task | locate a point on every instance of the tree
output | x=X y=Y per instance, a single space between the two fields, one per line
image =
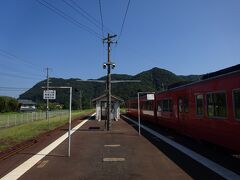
x=8 y=104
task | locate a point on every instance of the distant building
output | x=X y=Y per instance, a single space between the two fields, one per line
x=27 y=105
x=101 y=107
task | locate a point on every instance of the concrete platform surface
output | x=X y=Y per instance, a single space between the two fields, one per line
x=98 y=154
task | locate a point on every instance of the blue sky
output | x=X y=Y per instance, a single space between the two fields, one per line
x=183 y=36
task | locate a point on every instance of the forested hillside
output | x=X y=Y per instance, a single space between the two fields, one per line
x=155 y=79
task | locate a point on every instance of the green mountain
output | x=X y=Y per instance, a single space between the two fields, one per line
x=191 y=77
x=155 y=79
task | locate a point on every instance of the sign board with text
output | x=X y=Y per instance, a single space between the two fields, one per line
x=150 y=97
x=49 y=94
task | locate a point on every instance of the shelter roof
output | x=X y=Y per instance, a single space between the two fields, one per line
x=26 y=102
x=115 y=98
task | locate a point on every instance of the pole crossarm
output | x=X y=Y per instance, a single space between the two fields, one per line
x=126 y=81
x=146 y=92
x=113 y=81
x=58 y=87
x=108 y=39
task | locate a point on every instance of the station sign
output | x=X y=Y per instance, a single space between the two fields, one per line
x=49 y=94
x=150 y=97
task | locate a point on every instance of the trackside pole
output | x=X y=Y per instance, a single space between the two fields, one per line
x=139 y=118
x=70 y=122
x=53 y=96
x=149 y=97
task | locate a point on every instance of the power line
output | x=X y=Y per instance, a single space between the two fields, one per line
x=81 y=13
x=17 y=88
x=11 y=69
x=22 y=72
x=13 y=57
x=89 y=15
x=67 y=17
x=3 y=89
x=100 y=9
x=124 y=19
x=18 y=76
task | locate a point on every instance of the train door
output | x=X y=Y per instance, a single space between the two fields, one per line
x=180 y=113
x=183 y=113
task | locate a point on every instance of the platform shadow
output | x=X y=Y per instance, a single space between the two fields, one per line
x=183 y=161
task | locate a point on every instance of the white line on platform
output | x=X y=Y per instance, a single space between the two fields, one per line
x=24 y=167
x=113 y=159
x=112 y=145
x=220 y=170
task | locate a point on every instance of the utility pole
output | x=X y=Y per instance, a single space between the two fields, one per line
x=109 y=65
x=47 y=115
x=80 y=103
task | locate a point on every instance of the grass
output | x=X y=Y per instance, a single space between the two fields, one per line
x=123 y=110
x=7 y=113
x=17 y=134
x=26 y=117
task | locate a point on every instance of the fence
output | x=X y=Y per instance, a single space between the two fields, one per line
x=15 y=119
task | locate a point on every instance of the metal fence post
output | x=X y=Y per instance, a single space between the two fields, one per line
x=8 y=121
x=15 y=121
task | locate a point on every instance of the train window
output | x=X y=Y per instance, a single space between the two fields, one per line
x=144 y=106
x=134 y=106
x=160 y=106
x=170 y=105
x=180 y=105
x=199 y=105
x=185 y=104
x=165 y=105
x=148 y=105
x=216 y=105
x=236 y=96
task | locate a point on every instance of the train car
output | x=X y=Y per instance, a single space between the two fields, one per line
x=208 y=109
x=147 y=108
x=132 y=107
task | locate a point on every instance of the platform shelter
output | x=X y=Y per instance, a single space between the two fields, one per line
x=101 y=107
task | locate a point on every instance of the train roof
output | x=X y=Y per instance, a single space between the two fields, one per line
x=205 y=77
x=221 y=72
x=178 y=84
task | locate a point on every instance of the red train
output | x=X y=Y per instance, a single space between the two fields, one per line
x=208 y=109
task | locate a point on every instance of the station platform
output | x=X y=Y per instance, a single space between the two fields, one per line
x=98 y=154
